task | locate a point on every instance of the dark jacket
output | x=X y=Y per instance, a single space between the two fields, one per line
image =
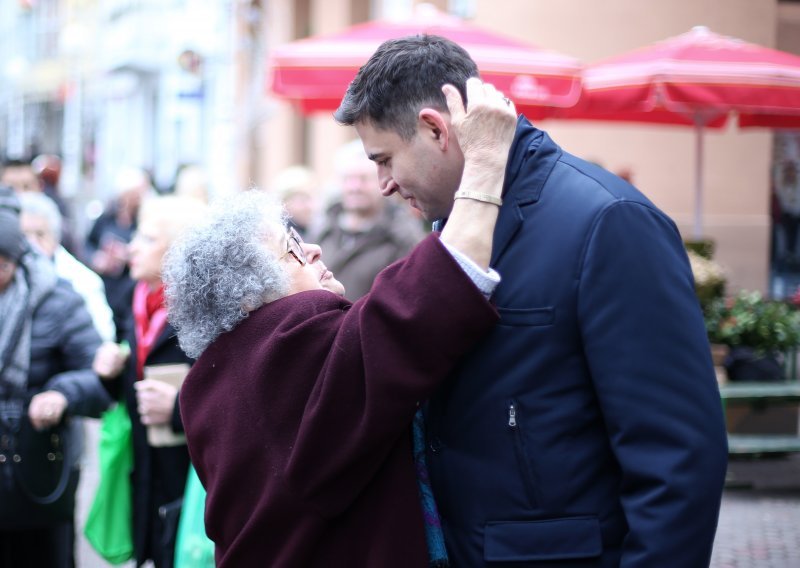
x=63 y=344
x=62 y=348
x=298 y=419
x=587 y=429
x=159 y=474
x=356 y=258
x=119 y=286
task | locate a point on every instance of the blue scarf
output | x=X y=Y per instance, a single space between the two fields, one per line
x=433 y=527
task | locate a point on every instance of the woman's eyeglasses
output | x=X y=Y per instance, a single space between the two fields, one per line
x=294 y=246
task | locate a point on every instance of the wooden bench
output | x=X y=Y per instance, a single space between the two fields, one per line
x=760 y=395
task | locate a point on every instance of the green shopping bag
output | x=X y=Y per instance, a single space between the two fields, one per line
x=109 y=526
x=193 y=549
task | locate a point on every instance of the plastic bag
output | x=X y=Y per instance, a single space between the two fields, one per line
x=109 y=526
x=193 y=548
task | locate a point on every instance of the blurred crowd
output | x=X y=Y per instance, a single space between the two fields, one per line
x=82 y=319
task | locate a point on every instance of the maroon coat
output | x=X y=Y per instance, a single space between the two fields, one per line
x=298 y=419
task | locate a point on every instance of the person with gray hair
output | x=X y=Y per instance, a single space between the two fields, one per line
x=131 y=371
x=363 y=233
x=47 y=342
x=299 y=407
x=41 y=221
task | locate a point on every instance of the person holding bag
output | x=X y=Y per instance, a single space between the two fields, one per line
x=47 y=343
x=160 y=457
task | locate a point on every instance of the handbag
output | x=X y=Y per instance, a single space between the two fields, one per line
x=193 y=548
x=109 y=525
x=38 y=477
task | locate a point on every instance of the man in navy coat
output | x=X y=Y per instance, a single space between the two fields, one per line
x=587 y=429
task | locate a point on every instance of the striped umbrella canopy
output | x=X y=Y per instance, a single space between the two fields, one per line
x=698 y=79
x=314 y=72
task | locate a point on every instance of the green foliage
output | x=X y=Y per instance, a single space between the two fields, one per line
x=702 y=247
x=748 y=319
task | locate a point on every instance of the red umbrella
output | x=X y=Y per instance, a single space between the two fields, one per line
x=698 y=78
x=314 y=72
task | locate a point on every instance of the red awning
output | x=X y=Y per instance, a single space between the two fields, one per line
x=314 y=72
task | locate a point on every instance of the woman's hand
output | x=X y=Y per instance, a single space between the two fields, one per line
x=485 y=131
x=47 y=409
x=110 y=359
x=155 y=401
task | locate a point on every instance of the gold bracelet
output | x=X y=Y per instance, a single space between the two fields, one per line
x=477 y=196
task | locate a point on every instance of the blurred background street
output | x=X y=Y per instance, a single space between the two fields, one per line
x=104 y=103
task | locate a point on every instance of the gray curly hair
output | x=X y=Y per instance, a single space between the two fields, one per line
x=221 y=270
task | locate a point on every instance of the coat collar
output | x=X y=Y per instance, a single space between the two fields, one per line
x=523 y=183
x=528 y=141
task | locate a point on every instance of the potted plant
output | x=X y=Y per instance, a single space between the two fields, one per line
x=759 y=332
x=709 y=278
x=709 y=284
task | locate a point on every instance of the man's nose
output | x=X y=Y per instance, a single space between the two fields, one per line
x=313 y=252
x=387 y=185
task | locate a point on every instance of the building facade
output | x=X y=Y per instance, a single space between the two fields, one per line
x=160 y=83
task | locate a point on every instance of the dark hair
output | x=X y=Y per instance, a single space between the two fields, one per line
x=403 y=76
x=15 y=163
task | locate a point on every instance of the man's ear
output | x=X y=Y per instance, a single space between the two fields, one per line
x=435 y=126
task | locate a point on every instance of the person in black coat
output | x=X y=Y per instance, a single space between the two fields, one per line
x=160 y=467
x=47 y=343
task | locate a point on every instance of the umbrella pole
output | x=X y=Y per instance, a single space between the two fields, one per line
x=698 y=178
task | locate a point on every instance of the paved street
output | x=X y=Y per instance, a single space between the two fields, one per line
x=759 y=524
x=758 y=529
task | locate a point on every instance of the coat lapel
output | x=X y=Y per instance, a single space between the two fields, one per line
x=522 y=188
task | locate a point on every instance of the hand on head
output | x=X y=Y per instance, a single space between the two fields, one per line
x=485 y=129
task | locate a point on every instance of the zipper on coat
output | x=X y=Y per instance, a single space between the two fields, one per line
x=524 y=466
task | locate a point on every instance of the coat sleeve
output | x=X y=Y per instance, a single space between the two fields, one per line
x=393 y=348
x=649 y=357
x=78 y=342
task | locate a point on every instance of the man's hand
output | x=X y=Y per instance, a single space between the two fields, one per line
x=485 y=131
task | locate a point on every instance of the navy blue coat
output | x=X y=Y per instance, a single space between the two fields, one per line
x=587 y=429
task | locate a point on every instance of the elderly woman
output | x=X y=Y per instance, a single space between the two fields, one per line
x=161 y=463
x=47 y=342
x=298 y=411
